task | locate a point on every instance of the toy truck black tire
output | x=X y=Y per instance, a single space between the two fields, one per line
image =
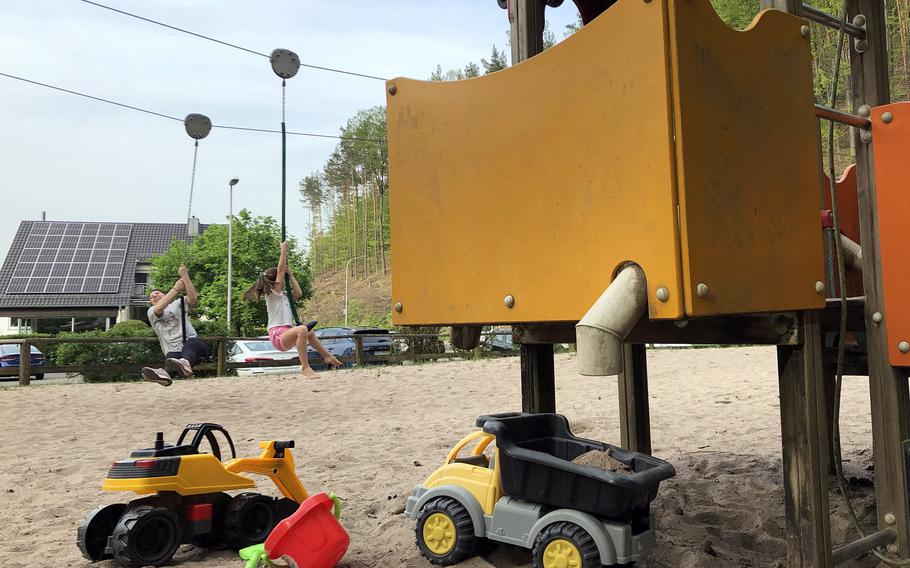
x=584 y=547
x=465 y=542
x=145 y=536
x=249 y=519
x=92 y=535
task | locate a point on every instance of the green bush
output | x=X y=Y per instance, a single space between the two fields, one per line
x=89 y=355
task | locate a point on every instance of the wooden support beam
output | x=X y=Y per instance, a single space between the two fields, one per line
x=538 y=392
x=527 y=22
x=634 y=412
x=538 y=381
x=805 y=448
x=889 y=397
x=763 y=329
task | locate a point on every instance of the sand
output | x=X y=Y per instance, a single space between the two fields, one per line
x=371 y=434
x=603 y=460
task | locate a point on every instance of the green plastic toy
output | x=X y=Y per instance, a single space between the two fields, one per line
x=256 y=555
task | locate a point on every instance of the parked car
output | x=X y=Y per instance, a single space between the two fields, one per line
x=9 y=357
x=249 y=350
x=501 y=341
x=376 y=341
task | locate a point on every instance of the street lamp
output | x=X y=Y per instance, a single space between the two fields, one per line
x=231 y=185
x=346 y=271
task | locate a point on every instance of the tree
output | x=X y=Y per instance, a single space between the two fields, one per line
x=255 y=241
x=498 y=61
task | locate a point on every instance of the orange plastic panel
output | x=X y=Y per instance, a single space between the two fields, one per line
x=848 y=208
x=537 y=181
x=891 y=149
x=746 y=150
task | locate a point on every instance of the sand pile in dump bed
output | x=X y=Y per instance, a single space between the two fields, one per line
x=603 y=460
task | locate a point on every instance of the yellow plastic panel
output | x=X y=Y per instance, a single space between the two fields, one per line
x=538 y=180
x=748 y=173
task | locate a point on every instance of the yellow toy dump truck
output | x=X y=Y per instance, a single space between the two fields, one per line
x=186 y=500
x=528 y=492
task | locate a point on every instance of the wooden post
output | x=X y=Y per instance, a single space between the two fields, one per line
x=888 y=390
x=221 y=357
x=634 y=413
x=538 y=388
x=358 y=350
x=538 y=383
x=526 y=18
x=805 y=448
x=25 y=363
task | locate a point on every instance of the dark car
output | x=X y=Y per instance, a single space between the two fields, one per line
x=500 y=340
x=376 y=341
x=337 y=346
x=9 y=357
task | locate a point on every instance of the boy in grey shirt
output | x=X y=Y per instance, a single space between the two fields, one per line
x=169 y=317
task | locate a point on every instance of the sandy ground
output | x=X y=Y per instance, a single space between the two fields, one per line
x=370 y=435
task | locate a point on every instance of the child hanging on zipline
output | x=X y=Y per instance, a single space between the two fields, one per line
x=282 y=332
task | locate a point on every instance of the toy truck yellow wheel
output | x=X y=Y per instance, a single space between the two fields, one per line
x=445 y=532
x=565 y=545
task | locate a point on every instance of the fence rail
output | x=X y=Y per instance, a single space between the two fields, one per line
x=222 y=364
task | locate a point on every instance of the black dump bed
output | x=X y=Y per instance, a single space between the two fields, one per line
x=535 y=462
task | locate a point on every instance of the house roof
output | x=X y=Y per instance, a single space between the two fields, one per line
x=146 y=240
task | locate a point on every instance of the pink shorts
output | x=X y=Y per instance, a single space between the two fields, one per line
x=275 y=334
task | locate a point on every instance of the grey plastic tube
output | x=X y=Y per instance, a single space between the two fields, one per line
x=600 y=332
x=853 y=253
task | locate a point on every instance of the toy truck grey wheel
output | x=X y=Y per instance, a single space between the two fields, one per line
x=445 y=532
x=564 y=545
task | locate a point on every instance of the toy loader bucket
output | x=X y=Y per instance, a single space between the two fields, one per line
x=310 y=538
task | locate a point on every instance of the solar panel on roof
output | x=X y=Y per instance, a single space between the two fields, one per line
x=71 y=258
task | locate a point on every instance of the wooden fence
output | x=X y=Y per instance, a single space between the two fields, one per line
x=221 y=362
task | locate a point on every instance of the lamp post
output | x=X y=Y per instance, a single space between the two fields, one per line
x=230 y=290
x=346 y=271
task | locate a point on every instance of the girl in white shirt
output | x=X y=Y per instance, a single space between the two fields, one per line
x=282 y=332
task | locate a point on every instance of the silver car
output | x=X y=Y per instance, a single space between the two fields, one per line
x=250 y=350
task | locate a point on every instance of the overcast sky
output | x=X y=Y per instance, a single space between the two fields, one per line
x=82 y=160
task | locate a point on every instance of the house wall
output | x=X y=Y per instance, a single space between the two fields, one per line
x=14 y=326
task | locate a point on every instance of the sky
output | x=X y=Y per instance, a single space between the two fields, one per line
x=82 y=160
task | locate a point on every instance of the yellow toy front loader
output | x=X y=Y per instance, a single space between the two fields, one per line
x=185 y=500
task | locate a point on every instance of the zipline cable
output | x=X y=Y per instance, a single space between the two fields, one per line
x=235 y=46
x=169 y=117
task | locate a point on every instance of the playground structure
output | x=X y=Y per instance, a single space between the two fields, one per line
x=656 y=178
